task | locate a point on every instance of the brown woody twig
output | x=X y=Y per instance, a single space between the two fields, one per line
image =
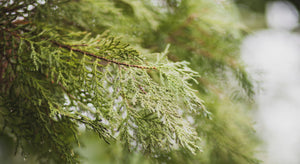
x=100 y=57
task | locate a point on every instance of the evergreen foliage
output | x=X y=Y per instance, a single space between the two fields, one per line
x=93 y=64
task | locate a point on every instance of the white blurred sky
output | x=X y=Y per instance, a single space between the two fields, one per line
x=273 y=58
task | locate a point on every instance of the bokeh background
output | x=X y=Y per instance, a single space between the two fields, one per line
x=272 y=53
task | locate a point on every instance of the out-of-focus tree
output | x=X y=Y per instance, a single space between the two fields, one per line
x=94 y=64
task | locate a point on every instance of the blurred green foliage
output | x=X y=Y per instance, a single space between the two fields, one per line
x=260 y=5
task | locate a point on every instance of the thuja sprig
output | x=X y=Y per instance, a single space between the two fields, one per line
x=100 y=57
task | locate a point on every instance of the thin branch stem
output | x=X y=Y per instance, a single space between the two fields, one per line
x=100 y=57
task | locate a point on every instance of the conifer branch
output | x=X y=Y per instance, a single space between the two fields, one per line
x=100 y=57
x=56 y=74
x=70 y=47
